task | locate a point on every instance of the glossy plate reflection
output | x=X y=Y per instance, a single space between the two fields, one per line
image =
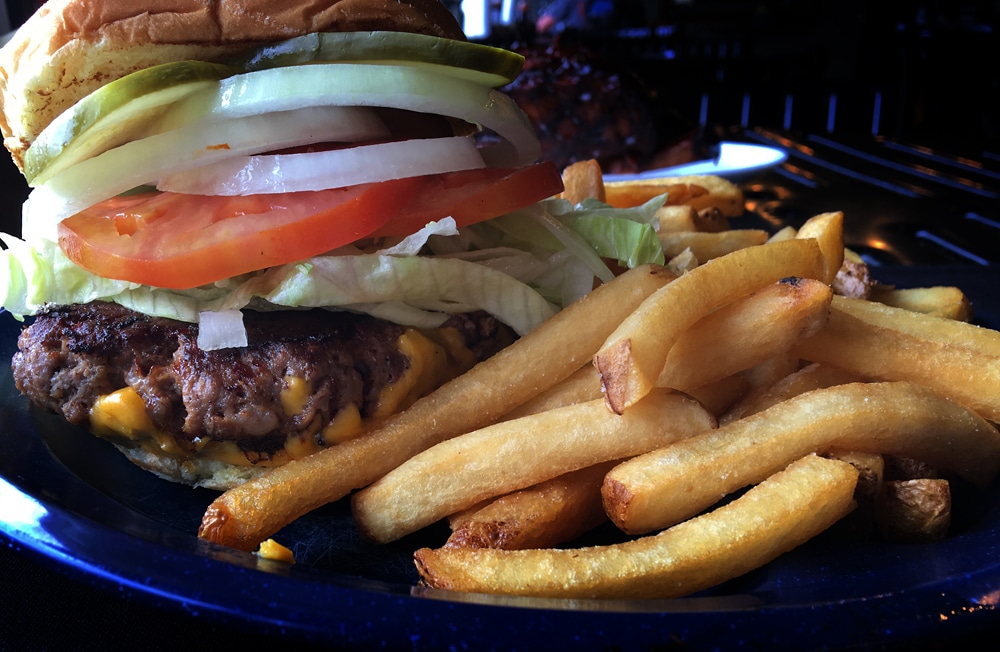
x=74 y=500
x=736 y=162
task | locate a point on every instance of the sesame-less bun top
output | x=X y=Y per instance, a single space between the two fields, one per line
x=69 y=48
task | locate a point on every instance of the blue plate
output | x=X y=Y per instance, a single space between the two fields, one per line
x=737 y=162
x=73 y=499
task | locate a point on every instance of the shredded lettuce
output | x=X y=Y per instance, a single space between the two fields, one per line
x=414 y=290
x=521 y=268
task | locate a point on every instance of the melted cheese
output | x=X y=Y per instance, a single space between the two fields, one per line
x=295 y=395
x=122 y=414
x=346 y=424
x=434 y=358
x=429 y=367
x=271 y=549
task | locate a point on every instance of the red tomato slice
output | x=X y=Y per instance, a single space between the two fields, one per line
x=183 y=241
x=477 y=195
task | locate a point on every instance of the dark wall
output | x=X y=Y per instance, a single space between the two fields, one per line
x=928 y=68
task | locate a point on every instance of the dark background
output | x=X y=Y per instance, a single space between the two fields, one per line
x=932 y=65
x=927 y=70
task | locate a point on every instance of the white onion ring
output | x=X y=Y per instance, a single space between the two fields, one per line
x=277 y=173
x=360 y=84
x=147 y=160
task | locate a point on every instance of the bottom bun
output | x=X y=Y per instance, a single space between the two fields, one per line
x=207 y=473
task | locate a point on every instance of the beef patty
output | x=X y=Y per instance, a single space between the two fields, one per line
x=70 y=357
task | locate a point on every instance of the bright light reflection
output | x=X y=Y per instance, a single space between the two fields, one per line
x=474 y=14
x=19 y=513
x=990 y=599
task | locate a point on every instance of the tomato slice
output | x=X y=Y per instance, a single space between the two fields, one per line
x=183 y=241
x=476 y=195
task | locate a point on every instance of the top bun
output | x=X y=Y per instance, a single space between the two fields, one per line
x=69 y=48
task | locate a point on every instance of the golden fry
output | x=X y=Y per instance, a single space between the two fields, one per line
x=711 y=220
x=938 y=301
x=246 y=515
x=632 y=358
x=914 y=511
x=871 y=473
x=677 y=218
x=769 y=371
x=717 y=397
x=543 y=516
x=879 y=342
x=706 y=246
x=786 y=233
x=666 y=486
x=746 y=332
x=854 y=278
x=584 y=385
x=699 y=192
x=777 y=515
x=510 y=455
x=806 y=379
x=583 y=180
x=828 y=230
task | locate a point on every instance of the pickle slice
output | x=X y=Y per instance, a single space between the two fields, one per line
x=120 y=111
x=483 y=64
x=141 y=104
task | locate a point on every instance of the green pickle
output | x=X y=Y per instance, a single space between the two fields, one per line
x=488 y=65
x=120 y=111
x=143 y=103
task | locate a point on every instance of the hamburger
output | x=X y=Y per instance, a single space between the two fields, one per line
x=254 y=229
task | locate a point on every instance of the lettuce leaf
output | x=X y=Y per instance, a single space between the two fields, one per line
x=521 y=268
x=413 y=290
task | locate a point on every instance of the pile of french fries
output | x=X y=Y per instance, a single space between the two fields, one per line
x=719 y=410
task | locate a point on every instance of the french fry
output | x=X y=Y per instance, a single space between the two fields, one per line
x=806 y=379
x=878 y=342
x=907 y=468
x=854 y=278
x=785 y=233
x=706 y=246
x=677 y=218
x=632 y=358
x=871 y=476
x=760 y=379
x=583 y=180
x=717 y=397
x=777 y=515
x=745 y=333
x=828 y=230
x=666 y=486
x=460 y=472
x=543 y=516
x=871 y=473
x=914 y=511
x=244 y=516
x=699 y=192
x=772 y=369
x=584 y=385
x=938 y=301
x=711 y=220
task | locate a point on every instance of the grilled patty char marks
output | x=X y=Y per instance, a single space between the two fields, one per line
x=71 y=356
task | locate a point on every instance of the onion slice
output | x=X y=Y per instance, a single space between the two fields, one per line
x=145 y=161
x=360 y=84
x=338 y=168
x=222 y=329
